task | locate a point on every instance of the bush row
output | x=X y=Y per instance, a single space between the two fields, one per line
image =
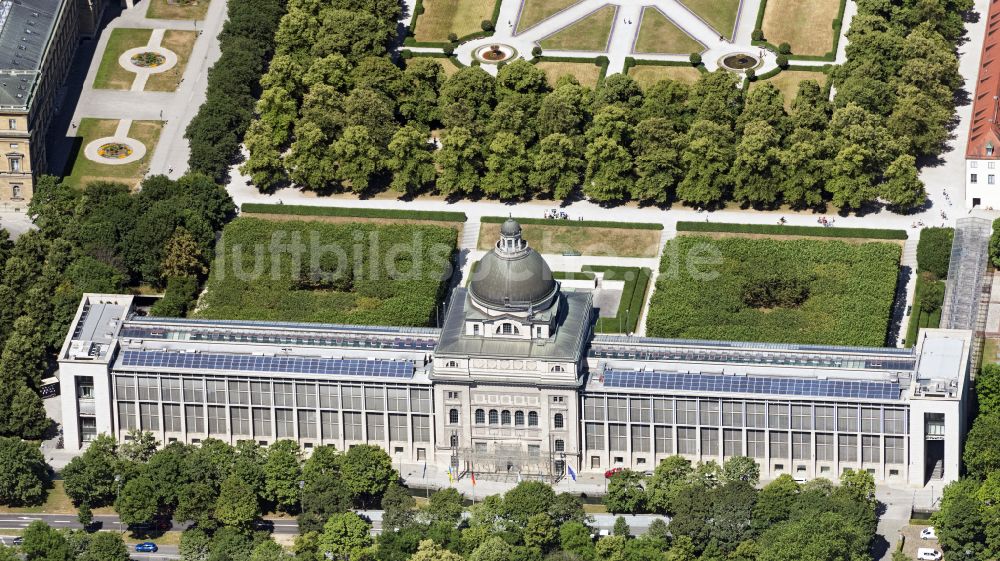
x=580 y=223
x=304 y=210
x=775 y=229
x=934 y=251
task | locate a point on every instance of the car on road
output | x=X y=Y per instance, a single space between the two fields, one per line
x=928 y=554
x=928 y=533
x=611 y=472
x=146 y=547
x=16 y=540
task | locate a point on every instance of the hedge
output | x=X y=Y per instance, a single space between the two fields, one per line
x=178 y=299
x=778 y=230
x=304 y=210
x=934 y=251
x=580 y=223
x=632 y=299
x=918 y=317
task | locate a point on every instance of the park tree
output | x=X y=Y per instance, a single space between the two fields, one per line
x=211 y=462
x=765 y=103
x=105 y=546
x=359 y=160
x=706 y=159
x=459 y=161
x=42 y=543
x=860 y=484
x=657 y=161
x=467 y=98
x=618 y=89
x=269 y=550
x=324 y=494
x=958 y=523
x=521 y=77
x=741 y=468
x=540 y=532
x=430 y=551
x=137 y=502
x=410 y=161
x=367 y=471
x=311 y=162
x=574 y=537
x=851 y=184
x=716 y=98
x=921 y=120
x=613 y=122
x=732 y=513
x=237 y=505
x=397 y=507
x=24 y=474
x=422 y=79
x=444 y=506
x=90 y=477
x=182 y=256
x=692 y=509
x=527 y=499
x=625 y=493
x=810 y=108
x=493 y=548
x=196 y=503
x=775 y=501
x=982 y=449
x=557 y=167
x=345 y=537
x=139 y=447
x=825 y=537
x=372 y=110
x=282 y=475
x=563 y=111
x=804 y=172
x=507 y=167
x=902 y=187
x=756 y=170
x=988 y=389
x=670 y=475
x=609 y=171
x=567 y=507
x=667 y=99
x=268 y=136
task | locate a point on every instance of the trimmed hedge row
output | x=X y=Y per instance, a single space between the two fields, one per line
x=775 y=229
x=934 y=251
x=303 y=210
x=633 y=296
x=580 y=223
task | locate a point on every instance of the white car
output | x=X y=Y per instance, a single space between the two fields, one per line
x=928 y=533
x=930 y=554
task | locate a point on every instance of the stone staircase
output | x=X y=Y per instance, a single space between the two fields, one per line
x=470 y=235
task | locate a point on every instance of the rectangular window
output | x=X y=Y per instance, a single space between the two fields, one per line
x=895 y=421
x=802 y=417
x=755 y=444
x=755 y=415
x=260 y=393
x=894 y=452
x=283 y=394
x=420 y=401
x=594 y=436
x=593 y=408
x=640 y=410
x=779 y=444
x=663 y=411
x=824 y=418
x=396 y=399
x=239 y=419
x=617 y=409
x=732 y=413
x=216 y=420
x=710 y=413
x=307 y=423
x=194 y=417
x=261 y=422
x=991 y=179
x=284 y=421
x=732 y=442
x=640 y=438
x=618 y=437
x=149 y=390
x=398 y=430
x=126 y=416
x=305 y=395
x=15 y=164
x=125 y=388
x=710 y=442
x=329 y=424
x=777 y=415
x=421 y=428
x=239 y=394
x=974 y=178
x=871 y=419
x=801 y=446
x=376 y=426
x=329 y=397
x=824 y=447
x=14 y=145
x=847 y=419
x=172 y=417
x=973 y=164
x=870 y=448
x=149 y=414
x=687 y=411
x=848 y=447
x=991 y=165
x=215 y=391
x=481 y=446
x=664 y=440
x=171 y=389
x=12 y=124
x=687 y=440
x=352 y=427
x=374 y=399
x=15 y=191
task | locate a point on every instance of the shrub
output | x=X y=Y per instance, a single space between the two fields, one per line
x=784 y=49
x=695 y=58
x=453 y=37
x=449 y=50
x=817 y=231
x=757 y=35
x=751 y=74
x=536 y=51
x=782 y=61
x=934 y=251
x=932 y=297
x=580 y=223
x=406 y=54
x=487 y=25
x=995 y=244
x=177 y=300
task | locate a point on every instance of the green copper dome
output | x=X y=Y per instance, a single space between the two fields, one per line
x=513 y=276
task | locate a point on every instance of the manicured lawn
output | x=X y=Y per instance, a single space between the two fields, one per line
x=162 y=9
x=806 y=25
x=633 y=297
x=56 y=502
x=648 y=74
x=589 y=33
x=720 y=14
x=84 y=171
x=789 y=291
x=657 y=34
x=620 y=242
x=534 y=11
x=180 y=42
x=587 y=73
x=460 y=17
x=110 y=74
x=788 y=82
x=449 y=66
x=364 y=273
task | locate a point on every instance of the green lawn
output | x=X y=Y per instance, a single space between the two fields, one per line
x=787 y=81
x=589 y=33
x=180 y=42
x=460 y=17
x=56 y=502
x=720 y=14
x=84 y=170
x=762 y=289
x=648 y=74
x=534 y=11
x=190 y=10
x=657 y=34
x=110 y=74
x=920 y=319
x=587 y=73
x=555 y=238
x=806 y=25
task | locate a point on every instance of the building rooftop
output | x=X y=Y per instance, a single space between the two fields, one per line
x=25 y=31
x=984 y=131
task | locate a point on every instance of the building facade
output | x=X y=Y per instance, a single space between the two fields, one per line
x=982 y=149
x=515 y=382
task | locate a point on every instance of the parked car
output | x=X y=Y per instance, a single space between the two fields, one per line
x=611 y=472
x=146 y=547
x=928 y=533
x=928 y=554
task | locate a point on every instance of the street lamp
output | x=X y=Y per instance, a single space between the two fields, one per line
x=118 y=480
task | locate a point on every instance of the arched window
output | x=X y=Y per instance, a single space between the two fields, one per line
x=558 y=368
x=532 y=419
x=505 y=417
x=454 y=441
x=451 y=364
x=557 y=421
x=453 y=416
x=560 y=446
x=508 y=329
x=519 y=418
x=494 y=417
x=480 y=416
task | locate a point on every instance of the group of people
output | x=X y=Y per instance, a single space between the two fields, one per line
x=825 y=221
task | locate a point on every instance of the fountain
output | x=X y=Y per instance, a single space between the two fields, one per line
x=494 y=53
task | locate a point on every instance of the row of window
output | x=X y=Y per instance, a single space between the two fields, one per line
x=267 y=393
x=505 y=417
x=729 y=413
x=259 y=422
x=755 y=443
x=990 y=178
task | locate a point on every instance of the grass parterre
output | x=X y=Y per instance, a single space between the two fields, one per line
x=792 y=291
x=357 y=273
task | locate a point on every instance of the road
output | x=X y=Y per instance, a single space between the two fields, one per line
x=164 y=551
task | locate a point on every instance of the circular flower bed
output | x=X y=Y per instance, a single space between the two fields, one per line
x=740 y=61
x=148 y=60
x=114 y=151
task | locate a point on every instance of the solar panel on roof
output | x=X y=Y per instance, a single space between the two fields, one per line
x=284 y=364
x=860 y=389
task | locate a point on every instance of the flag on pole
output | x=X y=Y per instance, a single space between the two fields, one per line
x=473 y=478
x=451 y=478
x=425 y=470
x=569 y=470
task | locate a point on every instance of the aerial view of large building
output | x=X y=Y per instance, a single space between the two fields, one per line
x=516 y=381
